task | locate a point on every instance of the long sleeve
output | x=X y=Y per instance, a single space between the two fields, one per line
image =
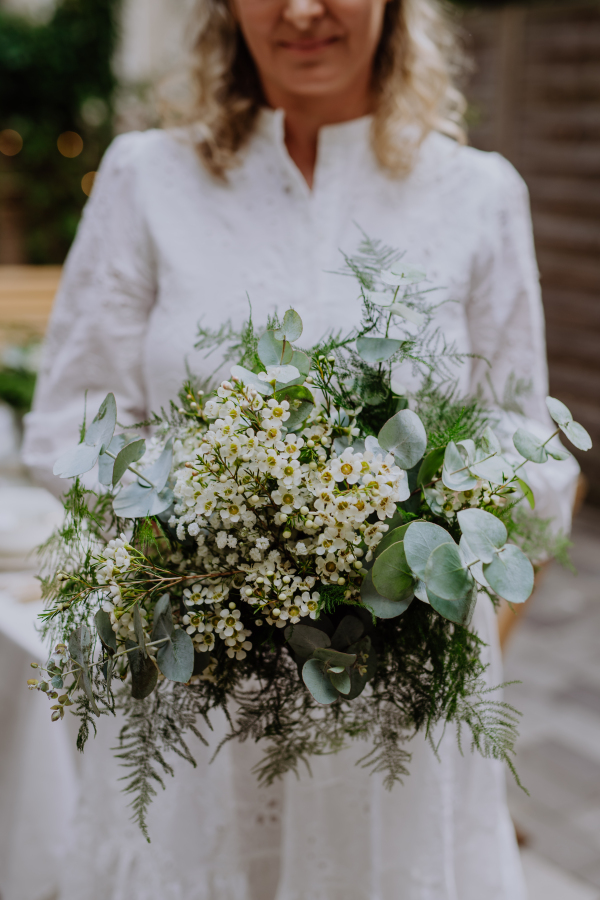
x=506 y=324
x=95 y=338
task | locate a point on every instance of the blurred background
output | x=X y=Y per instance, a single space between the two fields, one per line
x=73 y=73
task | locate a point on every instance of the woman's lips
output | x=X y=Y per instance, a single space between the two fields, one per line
x=309 y=45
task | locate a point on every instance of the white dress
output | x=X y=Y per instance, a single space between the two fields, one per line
x=162 y=246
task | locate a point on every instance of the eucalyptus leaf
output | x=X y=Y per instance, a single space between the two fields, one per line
x=558 y=453
x=273 y=352
x=360 y=680
x=489 y=442
x=291 y=327
x=175 y=658
x=402 y=273
x=138 y=627
x=510 y=574
x=105 y=632
x=420 y=540
x=82 y=458
x=484 y=532
x=136 y=502
x=430 y=465
x=527 y=492
x=492 y=468
x=282 y=375
x=80 y=645
x=301 y=361
x=163 y=619
x=293 y=393
x=392 y=537
x=318 y=683
x=251 y=379
x=392 y=576
x=348 y=632
x=408 y=313
x=304 y=640
x=458 y=611
x=376 y=350
x=577 y=435
x=76 y=461
x=530 y=446
x=455 y=473
x=404 y=435
x=341 y=681
x=144 y=674
x=106 y=462
x=126 y=457
x=298 y=416
x=473 y=562
x=559 y=412
x=158 y=473
x=380 y=606
x=101 y=430
x=446 y=574
x=421 y=591
x=334 y=657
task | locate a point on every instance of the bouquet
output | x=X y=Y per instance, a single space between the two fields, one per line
x=302 y=547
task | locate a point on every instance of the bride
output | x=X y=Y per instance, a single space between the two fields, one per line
x=317 y=121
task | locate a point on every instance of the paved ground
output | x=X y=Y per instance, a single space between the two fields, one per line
x=555 y=653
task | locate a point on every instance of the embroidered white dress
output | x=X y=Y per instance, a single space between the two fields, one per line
x=163 y=246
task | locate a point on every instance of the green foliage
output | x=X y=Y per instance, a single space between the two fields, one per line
x=16 y=388
x=56 y=77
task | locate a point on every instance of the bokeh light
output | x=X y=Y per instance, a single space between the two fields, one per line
x=70 y=144
x=87 y=183
x=11 y=142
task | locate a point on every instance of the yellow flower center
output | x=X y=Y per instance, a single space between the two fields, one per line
x=234 y=510
x=277 y=412
x=288 y=499
x=330 y=566
x=289 y=470
x=294 y=611
x=230 y=621
x=346 y=469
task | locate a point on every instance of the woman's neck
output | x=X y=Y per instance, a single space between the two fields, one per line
x=305 y=116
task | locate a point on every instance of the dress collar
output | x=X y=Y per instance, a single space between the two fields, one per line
x=336 y=144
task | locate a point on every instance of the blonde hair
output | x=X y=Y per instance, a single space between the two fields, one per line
x=413 y=73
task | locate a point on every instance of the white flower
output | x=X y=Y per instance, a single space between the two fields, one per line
x=262 y=543
x=310 y=605
x=301 y=548
x=229 y=623
x=194 y=529
x=289 y=499
x=347 y=467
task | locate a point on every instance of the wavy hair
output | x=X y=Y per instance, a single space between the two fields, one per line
x=414 y=69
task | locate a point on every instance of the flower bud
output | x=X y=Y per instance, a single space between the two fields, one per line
x=287 y=534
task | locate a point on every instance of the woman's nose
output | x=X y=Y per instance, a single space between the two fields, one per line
x=302 y=13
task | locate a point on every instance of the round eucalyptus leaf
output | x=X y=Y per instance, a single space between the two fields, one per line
x=251 y=379
x=299 y=415
x=458 y=611
x=304 y=640
x=402 y=273
x=106 y=462
x=376 y=350
x=77 y=461
x=129 y=454
x=530 y=446
x=421 y=591
x=470 y=558
x=302 y=361
x=455 y=473
x=158 y=473
x=484 y=532
x=334 y=657
x=489 y=442
x=379 y=298
x=291 y=327
x=136 y=502
x=163 y=618
x=510 y=574
x=350 y=630
x=430 y=466
x=175 y=658
x=491 y=468
x=404 y=435
x=392 y=537
x=556 y=452
x=318 y=683
x=559 y=412
x=341 y=681
x=381 y=606
x=392 y=576
x=408 y=313
x=446 y=574
x=419 y=541
x=272 y=352
x=577 y=435
x=103 y=424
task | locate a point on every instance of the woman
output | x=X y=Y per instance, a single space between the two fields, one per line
x=314 y=117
